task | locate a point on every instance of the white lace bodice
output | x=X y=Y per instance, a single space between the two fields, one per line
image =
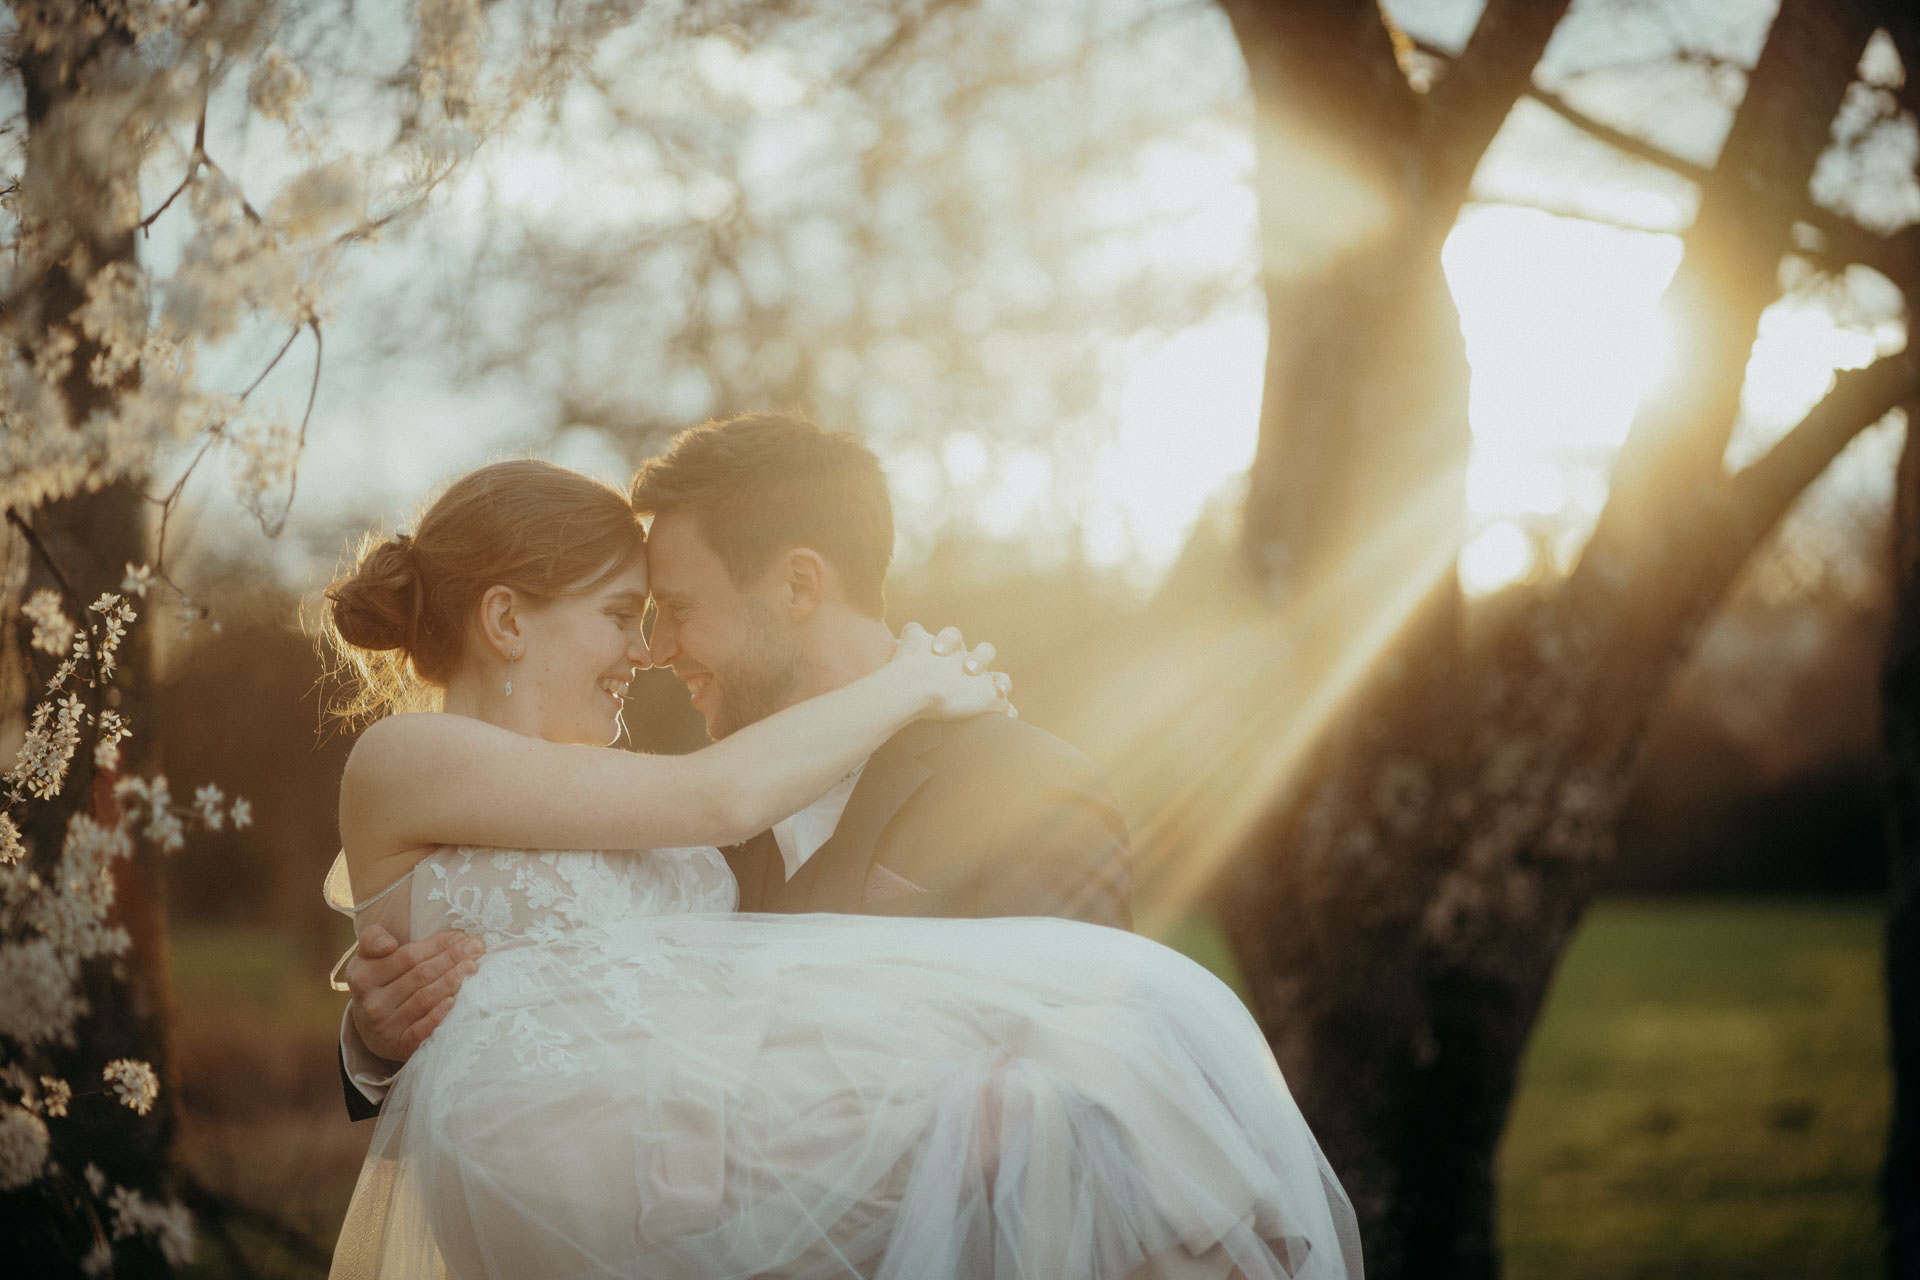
x=504 y=896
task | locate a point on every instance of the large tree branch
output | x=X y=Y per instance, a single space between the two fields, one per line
x=1759 y=495
x=1326 y=68
x=1468 y=106
x=1843 y=240
x=1727 y=278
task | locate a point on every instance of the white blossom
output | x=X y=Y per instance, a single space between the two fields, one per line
x=447 y=50
x=322 y=197
x=138 y=581
x=134 y=1083
x=47 y=751
x=242 y=813
x=53 y=355
x=53 y=631
x=23 y=1147
x=39 y=1002
x=11 y=849
x=54 y=1095
x=115 y=317
x=206 y=804
x=169 y=1224
x=265 y=455
x=276 y=86
x=112 y=729
x=116 y=615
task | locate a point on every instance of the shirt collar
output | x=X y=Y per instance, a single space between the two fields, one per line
x=802 y=835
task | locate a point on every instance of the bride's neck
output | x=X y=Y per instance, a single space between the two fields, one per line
x=483 y=696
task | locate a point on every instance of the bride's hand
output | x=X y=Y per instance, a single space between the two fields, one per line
x=958 y=681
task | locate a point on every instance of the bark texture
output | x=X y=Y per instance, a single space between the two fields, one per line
x=1900 y=1178
x=81 y=547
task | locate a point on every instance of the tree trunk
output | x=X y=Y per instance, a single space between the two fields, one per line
x=1400 y=912
x=1900 y=1178
x=81 y=548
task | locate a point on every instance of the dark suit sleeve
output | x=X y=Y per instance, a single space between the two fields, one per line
x=1013 y=823
x=358 y=1108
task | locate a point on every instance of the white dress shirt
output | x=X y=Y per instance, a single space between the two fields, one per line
x=802 y=835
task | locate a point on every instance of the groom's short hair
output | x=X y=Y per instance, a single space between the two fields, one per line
x=764 y=483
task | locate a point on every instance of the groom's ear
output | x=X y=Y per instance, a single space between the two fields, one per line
x=803 y=582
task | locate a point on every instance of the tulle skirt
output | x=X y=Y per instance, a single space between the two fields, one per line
x=703 y=1096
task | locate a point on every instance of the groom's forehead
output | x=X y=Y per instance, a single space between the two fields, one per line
x=678 y=551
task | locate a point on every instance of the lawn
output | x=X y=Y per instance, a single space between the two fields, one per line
x=1706 y=1095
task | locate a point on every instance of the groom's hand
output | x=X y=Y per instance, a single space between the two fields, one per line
x=400 y=994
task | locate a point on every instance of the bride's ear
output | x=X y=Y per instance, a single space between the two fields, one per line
x=500 y=622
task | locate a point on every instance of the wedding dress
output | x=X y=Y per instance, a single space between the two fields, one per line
x=637 y=1083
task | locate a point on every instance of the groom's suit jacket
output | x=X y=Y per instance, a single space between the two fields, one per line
x=982 y=817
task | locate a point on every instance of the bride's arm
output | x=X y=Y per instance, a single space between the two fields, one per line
x=420 y=780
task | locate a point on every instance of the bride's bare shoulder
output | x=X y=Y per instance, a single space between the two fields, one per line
x=395 y=739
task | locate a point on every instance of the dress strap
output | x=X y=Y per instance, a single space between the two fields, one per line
x=337 y=888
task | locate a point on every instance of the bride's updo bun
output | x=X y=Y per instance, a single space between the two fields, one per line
x=397 y=622
x=378 y=607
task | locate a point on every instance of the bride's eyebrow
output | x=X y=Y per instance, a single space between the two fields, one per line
x=632 y=599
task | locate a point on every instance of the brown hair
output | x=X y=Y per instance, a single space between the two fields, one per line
x=397 y=621
x=763 y=483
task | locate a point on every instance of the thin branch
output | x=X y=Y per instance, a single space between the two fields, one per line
x=246 y=206
x=172 y=500
x=366 y=229
x=1845 y=239
x=1894 y=256
x=277 y=356
x=46 y=557
x=216 y=433
x=279 y=523
x=196 y=158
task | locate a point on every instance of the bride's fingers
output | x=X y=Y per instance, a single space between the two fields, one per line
x=912 y=633
x=1003 y=684
x=979 y=659
x=948 y=641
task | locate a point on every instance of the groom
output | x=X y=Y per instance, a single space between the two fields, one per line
x=766 y=558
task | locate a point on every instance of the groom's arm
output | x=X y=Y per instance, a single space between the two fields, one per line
x=400 y=994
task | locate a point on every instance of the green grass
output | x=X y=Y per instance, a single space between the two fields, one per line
x=1706 y=1096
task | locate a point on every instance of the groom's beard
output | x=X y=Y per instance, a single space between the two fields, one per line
x=762 y=679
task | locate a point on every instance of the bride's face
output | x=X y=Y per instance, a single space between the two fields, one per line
x=580 y=653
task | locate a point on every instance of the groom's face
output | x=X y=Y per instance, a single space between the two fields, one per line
x=729 y=643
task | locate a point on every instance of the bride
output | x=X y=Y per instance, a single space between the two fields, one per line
x=638 y=1082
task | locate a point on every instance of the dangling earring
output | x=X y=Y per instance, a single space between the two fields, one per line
x=510 y=661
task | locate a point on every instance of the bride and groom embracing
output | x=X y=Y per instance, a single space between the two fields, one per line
x=854 y=1043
